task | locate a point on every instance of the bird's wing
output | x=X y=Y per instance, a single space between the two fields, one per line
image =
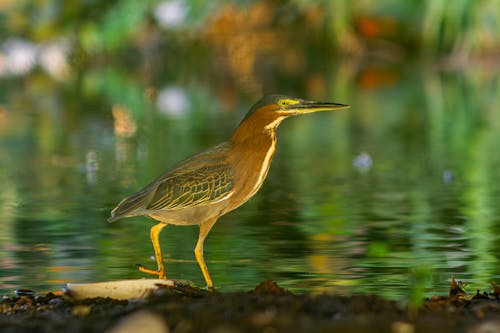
x=202 y=179
x=201 y=186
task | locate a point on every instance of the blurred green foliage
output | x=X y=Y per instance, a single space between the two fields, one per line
x=431 y=27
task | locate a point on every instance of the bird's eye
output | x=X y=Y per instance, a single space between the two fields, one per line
x=282 y=103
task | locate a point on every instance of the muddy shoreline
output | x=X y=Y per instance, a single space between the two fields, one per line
x=266 y=308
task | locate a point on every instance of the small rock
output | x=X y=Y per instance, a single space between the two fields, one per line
x=141 y=321
x=402 y=327
x=496 y=289
x=263 y=318
x=56 y=301
x=24 y=292
x=81 y=310
x=270 y=287
x=486 y=327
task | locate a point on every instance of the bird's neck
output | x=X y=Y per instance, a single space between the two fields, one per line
x=256 y=138
x=255 y=143
x=259 y=124
x=252 y=150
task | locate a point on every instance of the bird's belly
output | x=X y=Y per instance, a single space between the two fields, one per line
x=189 y=215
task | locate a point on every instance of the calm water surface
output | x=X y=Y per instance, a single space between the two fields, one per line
x=394 y=196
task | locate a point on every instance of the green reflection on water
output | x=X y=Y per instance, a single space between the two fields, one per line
x=423 y=211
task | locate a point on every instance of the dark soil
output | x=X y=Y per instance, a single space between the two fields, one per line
x=267 y=308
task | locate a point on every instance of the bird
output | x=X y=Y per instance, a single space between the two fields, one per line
x=205 y=186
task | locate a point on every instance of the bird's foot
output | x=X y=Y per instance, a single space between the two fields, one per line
x=161 y=273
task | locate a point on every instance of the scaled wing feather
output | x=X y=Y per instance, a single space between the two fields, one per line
x=203 y=186
x=202 y=179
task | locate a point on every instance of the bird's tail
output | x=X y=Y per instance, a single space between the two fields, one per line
x=131 y=206
x=112 y=218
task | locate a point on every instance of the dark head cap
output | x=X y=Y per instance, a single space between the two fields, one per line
x=285 y=106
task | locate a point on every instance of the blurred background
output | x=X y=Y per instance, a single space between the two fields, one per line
x=393 y=196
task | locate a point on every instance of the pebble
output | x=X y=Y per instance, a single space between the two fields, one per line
x=81 y=310
x=402 y=327
x=24 y=292
x=141 y=321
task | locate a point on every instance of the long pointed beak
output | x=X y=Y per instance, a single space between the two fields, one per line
x=309 y=107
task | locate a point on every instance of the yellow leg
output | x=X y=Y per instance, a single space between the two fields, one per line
x=155 y=232
x=198 y=250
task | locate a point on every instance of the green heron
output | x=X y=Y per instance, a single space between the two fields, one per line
x=203 y=187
